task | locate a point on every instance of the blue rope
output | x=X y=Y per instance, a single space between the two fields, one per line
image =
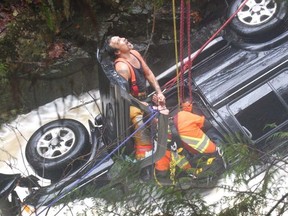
x=154 y=113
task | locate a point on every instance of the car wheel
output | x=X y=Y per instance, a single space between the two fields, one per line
x=258 y=19
x=56 y=145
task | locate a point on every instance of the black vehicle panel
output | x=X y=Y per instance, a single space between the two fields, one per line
x=115 y=110
x=260 y=112
x=228 y=72
x=281 y=86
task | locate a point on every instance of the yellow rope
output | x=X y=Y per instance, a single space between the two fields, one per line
x=176 y=52
x=172 y=168
x=155 y=178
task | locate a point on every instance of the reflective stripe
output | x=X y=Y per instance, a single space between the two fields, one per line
x=180 y=161
x=169 y=132
x=200 y=144
x=143 y=147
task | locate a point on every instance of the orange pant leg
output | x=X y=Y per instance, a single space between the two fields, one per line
x=164 y=163
x=142 y=139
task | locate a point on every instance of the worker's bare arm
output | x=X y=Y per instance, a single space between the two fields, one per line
x=123 y=70
x=159 y=98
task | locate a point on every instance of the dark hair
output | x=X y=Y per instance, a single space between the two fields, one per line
x=186 y=99
x=110 y=50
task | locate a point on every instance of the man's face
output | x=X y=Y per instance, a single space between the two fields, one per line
x=122 y=44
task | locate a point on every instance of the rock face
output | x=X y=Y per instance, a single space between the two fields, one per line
x=42 y=64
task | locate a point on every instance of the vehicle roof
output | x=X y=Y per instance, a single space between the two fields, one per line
x=230 y=69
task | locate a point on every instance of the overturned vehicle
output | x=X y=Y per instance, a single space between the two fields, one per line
x=64 y=152
x=238 y=83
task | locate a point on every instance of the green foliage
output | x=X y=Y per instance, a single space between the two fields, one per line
x=3 y=69
x=282 y=135
x=126 y=192
x=253 y=194
x=156 y=3
x=240 y=155
x=138 y=198
x=50 y=17
x=253 y=181
x=52 y=11
x=3 y=73
x=245 y=207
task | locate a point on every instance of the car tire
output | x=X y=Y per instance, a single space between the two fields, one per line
x=56 y=145
x=266 y=26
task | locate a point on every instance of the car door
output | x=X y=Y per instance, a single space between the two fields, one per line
x=262 y=112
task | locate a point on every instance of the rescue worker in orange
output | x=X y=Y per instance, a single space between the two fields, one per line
x=132 y=67
x=193 y=140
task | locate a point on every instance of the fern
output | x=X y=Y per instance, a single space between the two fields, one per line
x=3 y=69
x=3 y=73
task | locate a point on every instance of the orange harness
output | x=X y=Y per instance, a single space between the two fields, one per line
x=134 y=87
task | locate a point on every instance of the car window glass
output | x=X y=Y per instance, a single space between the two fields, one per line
x=259 y=111
x=280 y=84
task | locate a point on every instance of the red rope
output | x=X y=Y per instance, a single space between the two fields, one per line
x=182 y=11
x=182 y=30
x=189 y=50
x=170 y=83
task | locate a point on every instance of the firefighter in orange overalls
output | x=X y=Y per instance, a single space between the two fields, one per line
x=191 y=139
x=131 y=66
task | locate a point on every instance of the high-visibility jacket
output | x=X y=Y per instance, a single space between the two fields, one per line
x=193 y=138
